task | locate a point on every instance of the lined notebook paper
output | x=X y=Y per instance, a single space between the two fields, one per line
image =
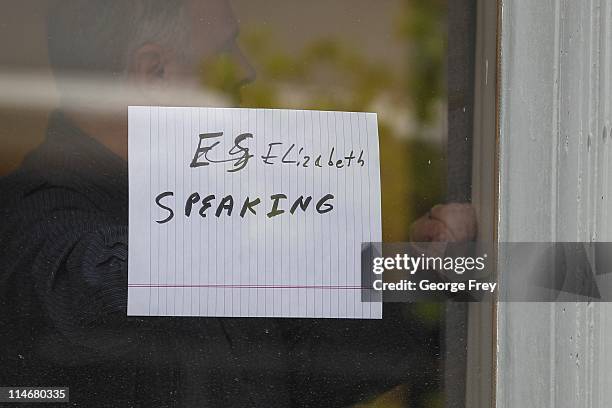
x=251 y=212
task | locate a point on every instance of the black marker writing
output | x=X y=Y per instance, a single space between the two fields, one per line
x=242 y=152
x=170 y=212
x=275 y=210
x=206 y=205
x=227 y=203
x=193 y=198
x=323 y=203
x=249 y=205
x=277 y=153
x=275 y=206
x=300 y=202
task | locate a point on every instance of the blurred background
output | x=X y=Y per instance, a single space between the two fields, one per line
x=383 y=56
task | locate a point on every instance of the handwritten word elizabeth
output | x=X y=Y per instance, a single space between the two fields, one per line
x=277 y=153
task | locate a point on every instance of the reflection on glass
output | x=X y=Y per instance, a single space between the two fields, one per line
x=95 y=58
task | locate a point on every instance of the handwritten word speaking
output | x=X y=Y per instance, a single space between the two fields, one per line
x=202 y=203
x=276 y=153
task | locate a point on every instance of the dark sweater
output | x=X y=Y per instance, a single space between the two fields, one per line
x=63 y=288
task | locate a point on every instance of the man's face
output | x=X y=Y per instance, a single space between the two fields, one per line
x=212 y=31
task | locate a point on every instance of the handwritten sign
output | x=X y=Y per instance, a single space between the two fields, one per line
x=251 y=212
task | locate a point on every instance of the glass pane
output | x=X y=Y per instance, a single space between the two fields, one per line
x=68 y=71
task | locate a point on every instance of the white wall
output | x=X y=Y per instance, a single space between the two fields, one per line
x=555 y=185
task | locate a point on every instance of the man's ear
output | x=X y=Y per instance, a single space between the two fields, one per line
x=147 y=64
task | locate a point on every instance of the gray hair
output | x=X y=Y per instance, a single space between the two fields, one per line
x=101 y=35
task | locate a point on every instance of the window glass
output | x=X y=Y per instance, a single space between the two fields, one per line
x=72 y=67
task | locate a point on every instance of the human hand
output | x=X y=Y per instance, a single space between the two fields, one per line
x=455 y=222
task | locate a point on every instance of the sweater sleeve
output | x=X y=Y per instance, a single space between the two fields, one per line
x=75 y=257
x=80 y=271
